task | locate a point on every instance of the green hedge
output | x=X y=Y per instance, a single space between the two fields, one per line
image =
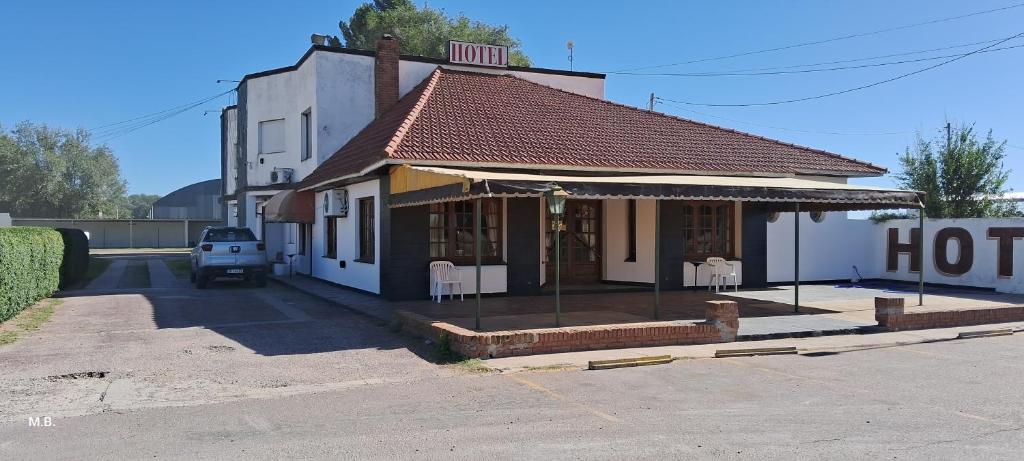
x=30 y=259
x=76 y=256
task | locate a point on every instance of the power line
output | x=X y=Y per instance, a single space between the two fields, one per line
x=114 y=130
x=819 y=42
x=740 y=73
x=871 y=58
x=207 y=99
x=795 y=130
x=848 y=90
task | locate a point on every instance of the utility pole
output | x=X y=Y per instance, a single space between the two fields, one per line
x=650 y=103
x=570 y=45
x=949 y=137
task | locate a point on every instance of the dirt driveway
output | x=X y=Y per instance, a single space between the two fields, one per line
x=140 y=336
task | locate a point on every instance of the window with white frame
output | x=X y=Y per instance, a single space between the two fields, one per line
x=271 y=136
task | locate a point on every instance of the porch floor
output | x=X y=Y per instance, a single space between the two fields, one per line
x=822 y=307
x=528 y=312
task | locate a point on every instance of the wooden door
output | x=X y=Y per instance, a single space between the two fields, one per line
x=580 y=241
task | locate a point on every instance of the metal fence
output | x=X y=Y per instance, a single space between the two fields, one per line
x=129 y=233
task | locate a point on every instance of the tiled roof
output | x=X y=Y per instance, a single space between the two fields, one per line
x=466 y=118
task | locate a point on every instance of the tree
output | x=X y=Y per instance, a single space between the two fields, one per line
x=422 y=31
x=55 y=173
x=960 y=175
x=139 y=206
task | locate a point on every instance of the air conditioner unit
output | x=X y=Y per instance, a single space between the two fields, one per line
x=281 y=175
x=336 y=203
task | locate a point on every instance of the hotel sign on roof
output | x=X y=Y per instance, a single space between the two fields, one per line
x=477 y=54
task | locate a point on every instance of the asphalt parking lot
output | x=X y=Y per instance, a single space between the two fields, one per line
x=265 y=373
x=177 y=345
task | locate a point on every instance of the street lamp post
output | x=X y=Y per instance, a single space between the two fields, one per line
x=556 y=206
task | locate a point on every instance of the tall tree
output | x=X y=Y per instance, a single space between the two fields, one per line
x=139 y=206
x=961 y=174
x=55 y=173
x=423 y=31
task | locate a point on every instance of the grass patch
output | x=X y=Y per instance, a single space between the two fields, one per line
x=7 y=337
x=30 y=319
x=34 y=318
x=180 y=267
x=97 y=266
x=136 y=275
x=554 y=367
x=472 y=366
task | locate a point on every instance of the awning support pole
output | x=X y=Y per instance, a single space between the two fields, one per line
x=920 y=260
x=558 y=268
x=657 y=258
x=796 y=259
x=476 y=243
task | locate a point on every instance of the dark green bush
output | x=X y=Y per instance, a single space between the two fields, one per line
x=76 y=256
x=30 y=259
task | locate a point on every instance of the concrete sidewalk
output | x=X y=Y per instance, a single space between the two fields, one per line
x=824 y=344
x=365 y=304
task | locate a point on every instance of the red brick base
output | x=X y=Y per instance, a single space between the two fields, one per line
x=720 y=326
x=891 y=315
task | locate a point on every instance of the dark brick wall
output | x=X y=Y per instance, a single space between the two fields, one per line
x=385 y=75
x=405 y=253
x=671 y=244
x=755 y=245
x=241 y=124
x=523 y=245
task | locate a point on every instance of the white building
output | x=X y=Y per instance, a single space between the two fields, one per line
x=289 y=120
x=397 y=152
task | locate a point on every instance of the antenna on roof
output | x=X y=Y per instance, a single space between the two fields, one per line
x=570 y=45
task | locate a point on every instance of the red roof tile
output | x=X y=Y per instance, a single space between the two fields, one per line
x=457 y=117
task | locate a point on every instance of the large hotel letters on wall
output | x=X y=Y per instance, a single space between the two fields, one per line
x=1001 y=236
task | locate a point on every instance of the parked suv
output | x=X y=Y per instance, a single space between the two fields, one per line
x=228 y=252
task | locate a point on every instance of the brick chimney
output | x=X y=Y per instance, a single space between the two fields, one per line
x=385 y=74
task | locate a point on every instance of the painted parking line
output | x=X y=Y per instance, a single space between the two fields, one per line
x=290 y=311
x=562 y=398
x=959 y=413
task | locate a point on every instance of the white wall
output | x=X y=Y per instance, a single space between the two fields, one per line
x=616 y=268
x=364 y=276
x=828 y=250
x=231 y=219
x=615 y=246
x=279 y=96
x=493 y=279
x=983 y=272
x=254 y=221
x=411 y=73
x=344 y=102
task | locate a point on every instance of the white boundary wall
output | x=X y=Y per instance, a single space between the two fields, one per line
x=829 y=250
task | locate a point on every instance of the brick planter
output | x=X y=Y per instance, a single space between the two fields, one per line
x=892 y=316
x=720 y=326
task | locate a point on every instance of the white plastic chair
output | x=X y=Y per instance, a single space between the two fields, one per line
x=721 y=270
x=444 y=273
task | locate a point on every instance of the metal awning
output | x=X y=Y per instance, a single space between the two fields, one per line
x=290 y=206
x=418 y=185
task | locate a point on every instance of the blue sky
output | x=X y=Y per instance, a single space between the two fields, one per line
x=86 y=64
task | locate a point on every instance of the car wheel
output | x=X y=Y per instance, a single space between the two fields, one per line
x=201 y=281
x=261 y=280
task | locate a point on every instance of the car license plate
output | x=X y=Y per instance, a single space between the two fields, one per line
x=235 y=271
